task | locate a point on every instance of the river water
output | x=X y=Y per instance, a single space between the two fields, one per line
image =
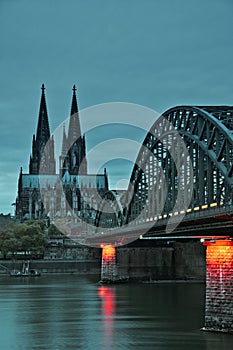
x=60 y=312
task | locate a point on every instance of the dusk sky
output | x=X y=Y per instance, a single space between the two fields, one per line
x=155 y=53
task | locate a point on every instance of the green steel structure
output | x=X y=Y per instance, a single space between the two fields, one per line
x=184 y=166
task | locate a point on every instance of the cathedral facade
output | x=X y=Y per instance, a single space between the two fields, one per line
x=58 y=188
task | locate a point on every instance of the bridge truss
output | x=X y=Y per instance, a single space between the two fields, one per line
x=185 y=165
x=193 y=148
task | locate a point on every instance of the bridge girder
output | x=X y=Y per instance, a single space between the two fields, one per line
x=186 y=161
x=197 y=141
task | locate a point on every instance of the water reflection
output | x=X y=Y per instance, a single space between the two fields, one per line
x=73 y=312
x=107 y=294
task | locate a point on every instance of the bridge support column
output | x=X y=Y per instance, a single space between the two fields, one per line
x=108 y=266
x=219 y=286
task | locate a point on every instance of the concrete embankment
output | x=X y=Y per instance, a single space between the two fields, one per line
x=161 y=261
x=52 y=266
x=139 y=261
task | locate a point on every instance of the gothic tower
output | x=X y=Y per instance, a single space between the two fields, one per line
x=42 y=157
x=73 y=154
x=40 y=192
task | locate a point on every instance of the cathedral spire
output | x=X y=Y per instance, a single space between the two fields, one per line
x=74 y=131
x=64 y=148
x=74 y=105
x=75 y=161
x=64 y=151
x=42 y=144
x=43 y=131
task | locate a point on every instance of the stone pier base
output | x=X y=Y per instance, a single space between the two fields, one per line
x=219 y=286
x=108 y=266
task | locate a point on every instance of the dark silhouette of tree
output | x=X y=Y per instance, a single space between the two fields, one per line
x=27 y=238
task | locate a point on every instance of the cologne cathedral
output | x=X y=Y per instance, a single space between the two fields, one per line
x=59 y=190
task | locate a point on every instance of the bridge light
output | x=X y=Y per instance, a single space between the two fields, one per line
x=213 y=204
x=196 y=208
x=205 y=206
x=188 y=210
x=176 y=213
x=182 y=212
x=108 y=252
x=165 y=216
x=160 y=217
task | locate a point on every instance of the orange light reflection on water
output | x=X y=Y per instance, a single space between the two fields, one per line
x=108 y=300
x=107 y=294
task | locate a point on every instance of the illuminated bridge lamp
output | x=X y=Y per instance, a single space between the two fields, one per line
x=219 y=285
x=108 y=266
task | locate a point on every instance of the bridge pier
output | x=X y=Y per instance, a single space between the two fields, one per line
x=219 y=286
x=108 y=265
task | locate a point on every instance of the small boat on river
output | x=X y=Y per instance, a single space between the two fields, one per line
x=25 y=272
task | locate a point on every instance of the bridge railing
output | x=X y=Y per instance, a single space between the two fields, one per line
x=205 y=211
x=197 y=212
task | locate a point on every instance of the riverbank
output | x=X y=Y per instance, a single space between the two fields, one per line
x=53 y=267
x=139 y=261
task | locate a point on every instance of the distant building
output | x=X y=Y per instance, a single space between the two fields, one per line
x=45 y=192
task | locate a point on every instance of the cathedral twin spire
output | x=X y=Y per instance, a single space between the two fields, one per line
x=73 y=153
x=43 y=131
x=42 y=157
x=74 y=131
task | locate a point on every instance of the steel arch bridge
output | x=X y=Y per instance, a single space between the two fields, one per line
x=110 y=212
x=185 y=164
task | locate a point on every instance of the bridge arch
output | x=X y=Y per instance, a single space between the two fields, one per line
x=195 y=143
x=110 y=212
